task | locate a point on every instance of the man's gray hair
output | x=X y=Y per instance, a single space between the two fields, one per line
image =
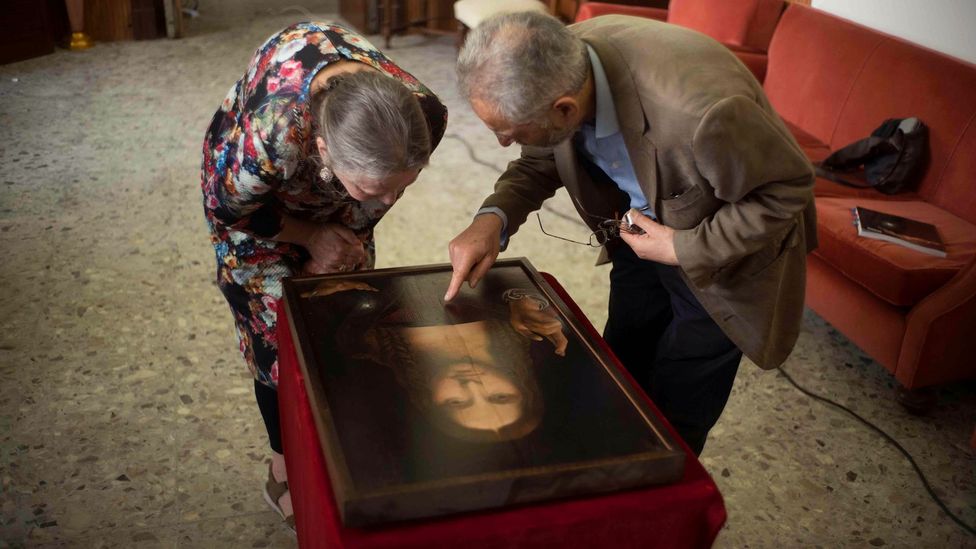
x=520 y=63
x=372 y=125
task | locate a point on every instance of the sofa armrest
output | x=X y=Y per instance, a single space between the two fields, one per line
x=594 y=9
x=939 y=346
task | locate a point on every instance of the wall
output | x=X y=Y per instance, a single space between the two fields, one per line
x=948 y=26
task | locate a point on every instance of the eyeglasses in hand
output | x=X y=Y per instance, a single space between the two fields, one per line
x=607 y=228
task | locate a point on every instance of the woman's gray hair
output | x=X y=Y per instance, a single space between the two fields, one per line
x=372 y=125
x=520 y=63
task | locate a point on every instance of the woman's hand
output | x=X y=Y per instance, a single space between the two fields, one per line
x=535 y=321
x=334 y=249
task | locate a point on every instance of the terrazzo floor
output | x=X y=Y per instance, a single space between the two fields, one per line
x=127 y=417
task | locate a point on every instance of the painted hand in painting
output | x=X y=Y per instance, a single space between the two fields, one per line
x=535 y=320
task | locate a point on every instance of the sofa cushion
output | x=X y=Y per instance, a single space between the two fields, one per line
x=590 y=10
x=745 y=27
x=839 y=81
x=956 y=190
x=899 y=275
x=901 y=79
x=748 y=23
x=755 y=61
x=814 y=59
x=815 y=149
x=831 y=189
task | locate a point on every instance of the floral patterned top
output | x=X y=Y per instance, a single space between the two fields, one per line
x=257 y=168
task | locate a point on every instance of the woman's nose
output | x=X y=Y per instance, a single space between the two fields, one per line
x=390 y=198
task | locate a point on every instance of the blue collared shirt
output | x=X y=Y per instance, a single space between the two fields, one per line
x=603 y=144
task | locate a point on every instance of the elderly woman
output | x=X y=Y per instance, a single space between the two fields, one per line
x=309 y=149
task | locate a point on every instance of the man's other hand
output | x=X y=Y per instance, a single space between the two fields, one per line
x=657 y=242
x=473 y=252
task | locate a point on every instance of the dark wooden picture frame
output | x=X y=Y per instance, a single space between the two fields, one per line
x=425 y=408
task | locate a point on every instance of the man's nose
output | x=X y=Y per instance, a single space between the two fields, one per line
x=504 y=141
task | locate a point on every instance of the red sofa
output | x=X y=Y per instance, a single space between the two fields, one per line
x=833 y=82
x=743 y=26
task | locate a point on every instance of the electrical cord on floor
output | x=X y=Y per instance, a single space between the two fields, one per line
x=474 y=158
x=891 y=440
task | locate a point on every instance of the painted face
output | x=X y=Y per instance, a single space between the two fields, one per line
x=386 y=190
x=465 y=386
x=476 y=397
x=532 y=134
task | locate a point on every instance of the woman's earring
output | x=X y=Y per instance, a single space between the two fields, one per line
x=326 y=174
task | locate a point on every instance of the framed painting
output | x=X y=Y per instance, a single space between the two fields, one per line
x=497 y=398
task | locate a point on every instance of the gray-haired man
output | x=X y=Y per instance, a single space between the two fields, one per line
x=635 y=113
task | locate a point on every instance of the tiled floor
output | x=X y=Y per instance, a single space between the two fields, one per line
x=126 y=415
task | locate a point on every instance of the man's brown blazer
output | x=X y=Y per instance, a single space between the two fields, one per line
x=715 y=163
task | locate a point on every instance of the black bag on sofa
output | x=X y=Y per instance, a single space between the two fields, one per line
x=894 y=157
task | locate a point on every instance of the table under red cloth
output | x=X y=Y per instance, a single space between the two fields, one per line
x=688 y=513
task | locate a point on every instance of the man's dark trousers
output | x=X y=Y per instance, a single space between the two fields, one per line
x=666 y=340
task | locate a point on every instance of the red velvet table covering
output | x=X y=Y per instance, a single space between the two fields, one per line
x=688 y=513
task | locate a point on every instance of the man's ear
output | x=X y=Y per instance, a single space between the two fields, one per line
x=567 y=108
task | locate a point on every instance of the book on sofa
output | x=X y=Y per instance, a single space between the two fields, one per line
x=917 y=235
